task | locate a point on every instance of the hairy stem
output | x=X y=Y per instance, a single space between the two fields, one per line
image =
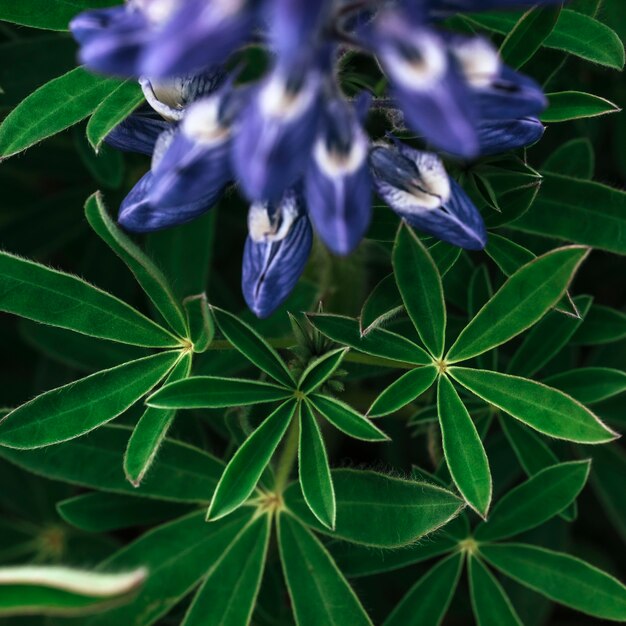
x=288 y=456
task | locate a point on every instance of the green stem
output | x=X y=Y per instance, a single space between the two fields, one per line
x=288 y=456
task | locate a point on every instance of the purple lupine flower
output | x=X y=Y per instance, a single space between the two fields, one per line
x=277 y=130
x=275 y=253
x=426 y=82
x=498 y=136
x=338 y=181
x=417 y=187
x=199 y=34
x=138 y=132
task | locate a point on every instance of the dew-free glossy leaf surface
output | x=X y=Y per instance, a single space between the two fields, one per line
x=200 y=322
x=589 y=384
x=228 y=593
x=404 y=390
x=545 y=409
x=53 y=15
x=535 y=501
x=45 y=295
x=318 y=590
x=245 y=468
x=490 y=603
x=560 y=577
x=420 y=286
x=428 y=600
x=602 y=325
x=379 y=510
x=572 y=105
x=320 y=370
x=574 y=158
x=313 y=470
x=463 y=449
x=519 y=303
x=75 y=409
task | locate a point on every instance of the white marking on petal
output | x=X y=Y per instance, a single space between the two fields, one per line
x=157 y=11
x=336 y=164
x=202 y=125
x=479 y=61
x=414 y=201
x=265 y=229
x=164 y=97
x=434 y=177
x=278 y=101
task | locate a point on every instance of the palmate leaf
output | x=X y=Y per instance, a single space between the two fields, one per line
x=55 y=15
x=547 y=410
x=199 y=321
x=320 y=370
x=150 y=431
x=57 y=105
x=318 y=590
x=177 y=556
x=535 y=501
x=45 y=295
x=589 y=384
x=77 y=408
x=519 y=303
x=463 y=449
x=404 y=390
x=565 y=106
x=183 y=473
x=378 y=510
x=602 y=325
x=420 y=286
x=114 y=109
x=245 y=468
x=428 y=600
x=574 y=158
x=213 y=392
x=490 y=603
x=377 y=342
x=314 y=473
x=36 y=589
x=253 y=346
x=228 y=593
x=151 y=279
x=560 y=577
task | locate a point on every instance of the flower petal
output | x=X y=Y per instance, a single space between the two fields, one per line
x=498 y=136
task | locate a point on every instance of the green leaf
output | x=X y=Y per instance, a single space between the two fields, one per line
x=560 y=577
x=463 y=449
x=574 y=158
x=419 y=284
x=573 y=105
x=377 y=342
x=48 y=590
x=45 y=295
x=519 y=303
x=383 y=302
x=150 y=431
x=346 y=419
x=245 y=468
x=574 y=33
x=253 y=346
x=602 y=325
x=403 y=391
x=490 y=604
x=148 y=275
x=544 y=495
x=181 y=474
x=107 y=167
x=320 y=370
x=547 y=410
x=547 y=339
x=314 y=473
x=57 y=105
x=508 y=255
x=528 y=35
x=200 y=322
x=177 y=556
x=55 y=15
x=99 y=512
x=589 y=384
x=113 y=110
x=79 y=407
x=319 y=593
x=229 y=591
x=213 y=392
x=581 y=211
x=428 y=600
x=378 y=510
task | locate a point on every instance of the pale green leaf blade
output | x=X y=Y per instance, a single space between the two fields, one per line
x=560 y=577
x=463 y=449
x=199 y=321
x=79 y=407
x=54 y=15
x=403 y=391
x=427 y=602
x=420 y=286
x=565 y=106
x=245 y=468
x=229 y=591
x=519 y=303
x=319 y=592
x=547 y=410
x=314 y=473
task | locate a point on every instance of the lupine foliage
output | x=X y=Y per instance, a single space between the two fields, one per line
x=423 y=431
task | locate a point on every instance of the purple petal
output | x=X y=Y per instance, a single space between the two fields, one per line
x=138 y=132
x=498 y=136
